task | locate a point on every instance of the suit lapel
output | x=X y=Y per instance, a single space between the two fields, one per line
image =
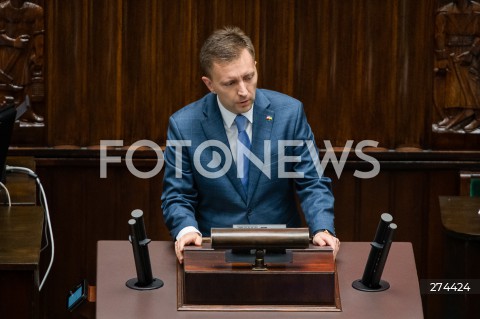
x=214 y=129
x=263 y=119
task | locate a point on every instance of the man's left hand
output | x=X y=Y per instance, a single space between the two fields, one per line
x=326 y=239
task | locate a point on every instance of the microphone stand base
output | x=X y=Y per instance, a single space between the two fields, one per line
x=382 y=285
x=155 y=284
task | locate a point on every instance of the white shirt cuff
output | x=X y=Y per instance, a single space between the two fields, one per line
x=187 y=229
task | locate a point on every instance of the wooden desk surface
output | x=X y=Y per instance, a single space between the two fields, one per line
x=20 y=237
x=21 y=187
x=115 y=265
x=460 y=216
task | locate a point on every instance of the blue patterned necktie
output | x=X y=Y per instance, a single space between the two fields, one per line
x=242 y=160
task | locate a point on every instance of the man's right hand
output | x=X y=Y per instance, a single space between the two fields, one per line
x=192 y=238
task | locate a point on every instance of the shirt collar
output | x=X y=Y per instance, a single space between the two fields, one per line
x=229 y=117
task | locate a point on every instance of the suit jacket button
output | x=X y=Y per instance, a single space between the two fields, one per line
x=249 y=211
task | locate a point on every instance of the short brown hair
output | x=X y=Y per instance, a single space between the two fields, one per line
x=224 y=45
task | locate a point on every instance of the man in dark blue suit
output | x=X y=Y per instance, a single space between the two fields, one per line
x=240 y=154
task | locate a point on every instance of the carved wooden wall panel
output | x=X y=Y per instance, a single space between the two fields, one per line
x=22 y=71
x=457 y=67
x=364 y=69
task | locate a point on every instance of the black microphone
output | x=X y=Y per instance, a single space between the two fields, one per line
x=139 y=241
x=380 y=247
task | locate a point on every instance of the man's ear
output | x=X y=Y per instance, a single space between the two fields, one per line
x=208 y=83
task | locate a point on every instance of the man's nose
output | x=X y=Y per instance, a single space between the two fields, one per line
x=242 y=89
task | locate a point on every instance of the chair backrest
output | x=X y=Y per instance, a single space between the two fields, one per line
x=470 y=184
x=475 y=186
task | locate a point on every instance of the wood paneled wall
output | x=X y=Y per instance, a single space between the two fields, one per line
x=364 y=69
x=117 y=69
x=86 y=208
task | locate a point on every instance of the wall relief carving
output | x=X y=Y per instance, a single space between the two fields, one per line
x=457 y=67
x=22 y=58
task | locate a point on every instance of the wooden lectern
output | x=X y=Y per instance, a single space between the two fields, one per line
x=297 y=279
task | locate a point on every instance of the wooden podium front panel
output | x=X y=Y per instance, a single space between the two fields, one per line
x=308 y=283
x=254 y=288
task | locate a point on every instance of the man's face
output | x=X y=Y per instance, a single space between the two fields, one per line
x=235 y=82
